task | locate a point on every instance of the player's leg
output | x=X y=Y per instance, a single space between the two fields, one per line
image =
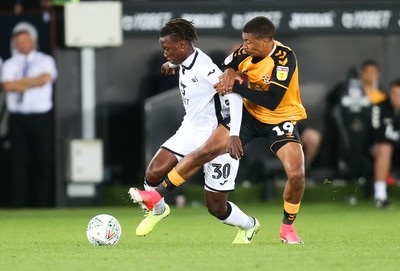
x=285 y=143
x=382 y=163
x=186 y=168
x=292 y=157
x=213 y=147
x=229 y=213
x=220 y=175
x=162 y=162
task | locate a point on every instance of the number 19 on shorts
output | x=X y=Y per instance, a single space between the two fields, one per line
x=284 y=128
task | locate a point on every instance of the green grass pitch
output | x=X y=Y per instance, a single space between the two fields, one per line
x=337 y=237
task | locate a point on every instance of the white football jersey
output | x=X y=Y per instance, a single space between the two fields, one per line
x=203 y=106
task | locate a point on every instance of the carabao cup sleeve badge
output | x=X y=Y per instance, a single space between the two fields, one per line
x=282 y=73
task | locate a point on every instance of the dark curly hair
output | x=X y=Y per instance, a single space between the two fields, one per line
x=260 y=27
x=179 y=29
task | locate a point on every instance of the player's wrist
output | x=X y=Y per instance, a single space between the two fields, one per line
x=172 y=66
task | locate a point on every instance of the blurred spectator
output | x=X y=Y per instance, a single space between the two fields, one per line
x=22 y=5
x=349 y=107
x=27 y=79
x=385 y=121
x=311 y=139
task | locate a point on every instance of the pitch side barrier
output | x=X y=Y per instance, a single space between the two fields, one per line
x=227 y=18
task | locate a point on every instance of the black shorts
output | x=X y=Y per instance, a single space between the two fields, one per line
x=277 y=135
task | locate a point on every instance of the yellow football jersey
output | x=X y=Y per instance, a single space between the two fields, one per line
x=278 y=68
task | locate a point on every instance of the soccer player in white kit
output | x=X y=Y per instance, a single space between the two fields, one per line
x=205 y=111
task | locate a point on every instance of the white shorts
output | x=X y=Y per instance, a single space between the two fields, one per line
x=219 y=174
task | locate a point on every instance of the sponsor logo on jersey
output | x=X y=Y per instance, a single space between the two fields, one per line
x=282 y=73
x=211 y=72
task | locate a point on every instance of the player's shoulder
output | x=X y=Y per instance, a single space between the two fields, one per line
x=282 y=50
x=283 y=55
x=204 y=63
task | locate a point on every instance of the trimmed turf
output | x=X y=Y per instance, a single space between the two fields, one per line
x=337 y=237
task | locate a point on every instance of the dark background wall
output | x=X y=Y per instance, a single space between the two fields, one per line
x=127 y=75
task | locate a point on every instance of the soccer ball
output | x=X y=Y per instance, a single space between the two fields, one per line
x=103 y=230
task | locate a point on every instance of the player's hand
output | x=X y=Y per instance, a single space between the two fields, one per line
x=234 y=147
x=228 y=78
x=166 y=69
x=219 y=88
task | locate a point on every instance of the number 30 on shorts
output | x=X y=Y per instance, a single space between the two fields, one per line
x=221 y=170
x=286 y=127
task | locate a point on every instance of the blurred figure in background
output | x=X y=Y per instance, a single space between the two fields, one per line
x=22 y=5
x=385 y=121
x=350 y=108
x=27 y=77
x=311 y=139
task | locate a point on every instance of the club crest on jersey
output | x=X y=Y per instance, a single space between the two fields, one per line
x=265 y=79
x=282 y=73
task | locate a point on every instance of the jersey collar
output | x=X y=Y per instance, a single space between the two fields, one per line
x=273 y=50
x=189 y=62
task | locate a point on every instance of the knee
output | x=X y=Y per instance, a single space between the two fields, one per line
x=296 y=176
x=154 y=174
x=217 y=209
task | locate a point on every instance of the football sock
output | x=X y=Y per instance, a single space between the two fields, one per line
x=159 y=208
x=380 y=190
x=290 y=211
x=170 y=182
x=236 y=217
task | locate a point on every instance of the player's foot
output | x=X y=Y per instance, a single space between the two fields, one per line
x=246 y=236
x=382 y=204
x=289 y=235
x=146 y=199
x=150 y=221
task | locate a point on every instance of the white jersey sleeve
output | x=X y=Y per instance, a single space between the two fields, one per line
x=236 y=110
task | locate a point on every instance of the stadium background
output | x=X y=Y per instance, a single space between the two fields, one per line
x=329 y=37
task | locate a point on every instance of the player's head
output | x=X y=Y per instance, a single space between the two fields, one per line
x=176 y=39
x=394 y=94
x=369 y=73
x=258 y=36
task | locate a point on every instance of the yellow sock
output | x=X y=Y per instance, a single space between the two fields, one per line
x=290 y=211
x=291 y=208
x=175 y=178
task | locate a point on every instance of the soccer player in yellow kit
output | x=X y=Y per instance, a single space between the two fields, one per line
x=265 y=73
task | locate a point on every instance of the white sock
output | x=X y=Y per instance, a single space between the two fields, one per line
x=160 y=206
x=380 y=190
x=238 y=218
